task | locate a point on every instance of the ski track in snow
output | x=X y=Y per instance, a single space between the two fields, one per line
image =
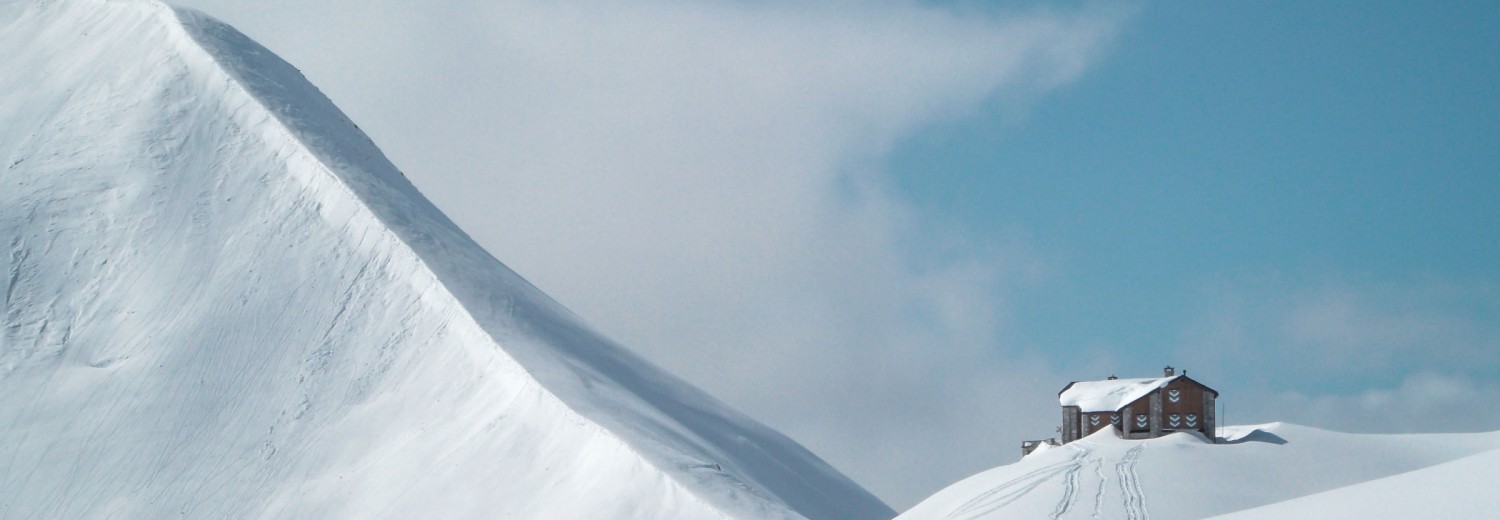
x=1002 y=495
x=1070 y=482
x=1099 y=492
x=1130 y=484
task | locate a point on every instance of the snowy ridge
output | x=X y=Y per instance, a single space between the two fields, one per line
x=221 y=299
x=1182 y=476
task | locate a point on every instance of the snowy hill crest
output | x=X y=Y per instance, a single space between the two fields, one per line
x=221 y=298
x=1183 y=476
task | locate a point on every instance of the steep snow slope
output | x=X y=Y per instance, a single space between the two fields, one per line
x=1184 y=477
x=221 y=300
x=1464 y=488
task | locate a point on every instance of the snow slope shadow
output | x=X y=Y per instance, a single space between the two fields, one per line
x=1254 y=435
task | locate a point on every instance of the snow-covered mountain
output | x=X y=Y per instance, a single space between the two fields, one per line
x=1180 y=476
x=220 y=300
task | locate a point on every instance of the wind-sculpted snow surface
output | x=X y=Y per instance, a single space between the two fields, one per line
x=1184 y=477
x=1461 y=489
x=220 y=300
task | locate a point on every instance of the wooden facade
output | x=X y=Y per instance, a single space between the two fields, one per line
x=1150 y=408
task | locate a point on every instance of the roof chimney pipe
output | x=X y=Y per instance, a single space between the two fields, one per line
x=1169 y=371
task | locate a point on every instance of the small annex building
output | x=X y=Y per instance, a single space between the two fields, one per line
x=1143 y=408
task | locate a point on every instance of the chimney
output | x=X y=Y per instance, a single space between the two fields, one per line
x=1169 y=371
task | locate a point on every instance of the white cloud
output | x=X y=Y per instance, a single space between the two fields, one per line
x=1394 y=356
x=1424 y=402
x=1342 y=330
x=1382 y=327
x=702 y=181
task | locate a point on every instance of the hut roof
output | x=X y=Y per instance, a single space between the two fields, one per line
x=1109 y=395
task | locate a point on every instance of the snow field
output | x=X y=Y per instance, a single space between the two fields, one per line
x=1182 y=476
x=1464 y=488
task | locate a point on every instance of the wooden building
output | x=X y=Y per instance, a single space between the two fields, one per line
x=1138 y=408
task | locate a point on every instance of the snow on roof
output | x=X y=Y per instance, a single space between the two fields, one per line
x=1109 y=395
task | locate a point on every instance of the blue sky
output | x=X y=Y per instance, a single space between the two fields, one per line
x=893 y=229
x=1335 y=142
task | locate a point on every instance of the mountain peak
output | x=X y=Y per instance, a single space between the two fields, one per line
x=221 y=298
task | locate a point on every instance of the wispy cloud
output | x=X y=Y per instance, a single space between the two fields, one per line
x=1419 y=403
x=1355 y=355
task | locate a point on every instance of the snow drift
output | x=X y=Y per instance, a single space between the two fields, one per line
x=1461 y=489
x=1181 y=476
x=221 y=300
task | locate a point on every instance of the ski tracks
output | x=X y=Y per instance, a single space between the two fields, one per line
x=1070 y=481
x=1099 y=491
x=1002 y=495
x=1134 y=498
x=1130 y=484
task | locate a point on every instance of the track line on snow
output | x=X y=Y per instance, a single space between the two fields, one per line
x=1099 y=492
x=1070 y=482
x=1130 y=484
x=1002 y=495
